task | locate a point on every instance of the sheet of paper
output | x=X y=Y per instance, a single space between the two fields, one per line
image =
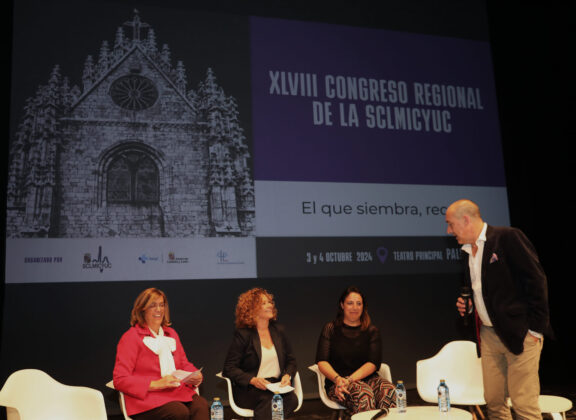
x=275 y=387
x=184 y=375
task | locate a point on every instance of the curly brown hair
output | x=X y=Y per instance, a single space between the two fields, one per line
x=248 y=306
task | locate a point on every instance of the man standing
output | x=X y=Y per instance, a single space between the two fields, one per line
x=510 y=300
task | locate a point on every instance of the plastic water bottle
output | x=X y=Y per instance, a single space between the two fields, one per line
x=216 y=410
x=443 y=397
x=401 y=397
x=277 y=407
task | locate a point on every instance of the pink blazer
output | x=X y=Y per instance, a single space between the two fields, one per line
x=136 y=366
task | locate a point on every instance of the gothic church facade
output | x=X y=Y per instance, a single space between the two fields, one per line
x=132 y=153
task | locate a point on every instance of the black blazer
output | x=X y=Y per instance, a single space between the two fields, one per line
x=514 y=286
x=245 y=354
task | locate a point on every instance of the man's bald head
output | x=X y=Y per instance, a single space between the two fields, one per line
x=464 y=221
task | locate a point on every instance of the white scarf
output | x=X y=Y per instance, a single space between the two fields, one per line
x=162 y=346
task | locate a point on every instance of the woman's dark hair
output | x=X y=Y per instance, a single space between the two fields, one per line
x=364 y=318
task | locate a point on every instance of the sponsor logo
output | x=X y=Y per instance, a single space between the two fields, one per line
x=173 y=259
x=146 y=258
x=222 y=258
x=101 y=262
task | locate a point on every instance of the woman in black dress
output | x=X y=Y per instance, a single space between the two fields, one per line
x=349 y=355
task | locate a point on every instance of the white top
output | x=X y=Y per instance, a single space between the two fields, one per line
x=162 y=346
x=269 y=366
x=475 y=264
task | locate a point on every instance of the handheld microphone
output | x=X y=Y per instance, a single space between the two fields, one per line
x=466 y=294
x=380 y=413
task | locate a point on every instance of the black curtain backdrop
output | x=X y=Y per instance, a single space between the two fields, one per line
x=532 y=47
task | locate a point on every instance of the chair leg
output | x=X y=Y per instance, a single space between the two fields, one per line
x=336 y=415
x=339 y=415
x=476 y=412
x=344 y=415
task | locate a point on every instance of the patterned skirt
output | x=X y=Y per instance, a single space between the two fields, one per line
x=371 y=393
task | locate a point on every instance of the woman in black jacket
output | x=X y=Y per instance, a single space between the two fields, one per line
x=259 y=355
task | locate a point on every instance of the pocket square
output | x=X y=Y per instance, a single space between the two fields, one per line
x=493 y=258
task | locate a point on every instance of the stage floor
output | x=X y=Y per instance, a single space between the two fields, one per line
x=314 y=409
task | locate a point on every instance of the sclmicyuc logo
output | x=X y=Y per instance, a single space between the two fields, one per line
x=101 y=262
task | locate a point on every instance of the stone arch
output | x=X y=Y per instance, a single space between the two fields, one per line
x=132 y=190
x=139 y=163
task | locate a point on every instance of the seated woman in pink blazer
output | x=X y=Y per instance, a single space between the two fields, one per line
x=147 y=357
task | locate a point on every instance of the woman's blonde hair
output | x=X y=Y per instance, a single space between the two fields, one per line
x=248 y=306
x=141 y=304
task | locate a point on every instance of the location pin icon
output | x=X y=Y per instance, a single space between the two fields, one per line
x=382 y=253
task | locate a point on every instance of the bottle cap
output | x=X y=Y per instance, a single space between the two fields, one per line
x=400 y=382
x=216 y=398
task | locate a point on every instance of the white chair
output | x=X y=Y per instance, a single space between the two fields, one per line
x=32 y=394
x=384 y=373
x=553 y=405
x=120 y=400
x=246 y=412
x=458 y=363
x=123 y=403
